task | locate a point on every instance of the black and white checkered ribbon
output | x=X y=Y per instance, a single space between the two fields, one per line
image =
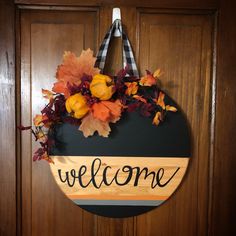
x=128 y=56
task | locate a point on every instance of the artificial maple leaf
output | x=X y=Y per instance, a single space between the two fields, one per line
x=114 y=107
x=72 y=70
x=157 y=73
x=100 y=111
x=40 y=135
x=39 y=120
x=61 y=87
x=47 y=158
x=132 y=88
x=140 y=98
x=47 y=94
x=157 y=118
x=171 y=108
x=107 y=111
x=38 y=154
x=160 y=100
x=89 y=125
x=148 y=80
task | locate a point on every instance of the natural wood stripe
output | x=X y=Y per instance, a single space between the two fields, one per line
x=143 y=191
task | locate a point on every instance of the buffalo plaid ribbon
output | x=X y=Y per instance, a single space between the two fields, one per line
x=128 y=56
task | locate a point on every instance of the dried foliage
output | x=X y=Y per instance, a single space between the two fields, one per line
x=84 y=97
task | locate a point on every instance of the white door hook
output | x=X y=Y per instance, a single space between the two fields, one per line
x=116 y=15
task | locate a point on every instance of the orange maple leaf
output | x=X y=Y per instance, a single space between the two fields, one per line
x=132 y=88
x=89 y=125
x=47 y=158
x=107 y=111
x=160 y=100
x=72 y=69
x=157 y=119
x=171 y=108
x=158 y=73
x=61 y=87
x=47 y=94
x=148 y=80
x=39 y=120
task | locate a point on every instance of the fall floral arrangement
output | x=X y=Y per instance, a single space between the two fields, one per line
x=84 y=97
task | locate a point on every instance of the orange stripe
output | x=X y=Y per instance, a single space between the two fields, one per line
x=112 y=197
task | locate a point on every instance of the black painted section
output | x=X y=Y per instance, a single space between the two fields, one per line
x=133 y=135
x=117 y=211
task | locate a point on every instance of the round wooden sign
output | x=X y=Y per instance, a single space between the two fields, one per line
x=134 y=170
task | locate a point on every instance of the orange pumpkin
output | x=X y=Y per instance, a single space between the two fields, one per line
x=102 y=87
x=77 y=105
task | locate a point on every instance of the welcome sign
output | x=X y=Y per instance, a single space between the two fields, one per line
x=128 y=147
x=134 y=170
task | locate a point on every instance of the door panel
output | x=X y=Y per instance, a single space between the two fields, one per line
x=178 y=42
x=45 y=35
x=181 y=45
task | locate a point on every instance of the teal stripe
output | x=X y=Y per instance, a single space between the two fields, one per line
x=119 y=202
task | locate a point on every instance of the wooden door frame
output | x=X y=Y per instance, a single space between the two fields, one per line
x=222 y=174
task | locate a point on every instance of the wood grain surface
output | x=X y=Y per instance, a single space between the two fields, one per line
x=160 y=40
x=194 y=4
x=200 y=77
x=224 y=194
x=7 y=120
